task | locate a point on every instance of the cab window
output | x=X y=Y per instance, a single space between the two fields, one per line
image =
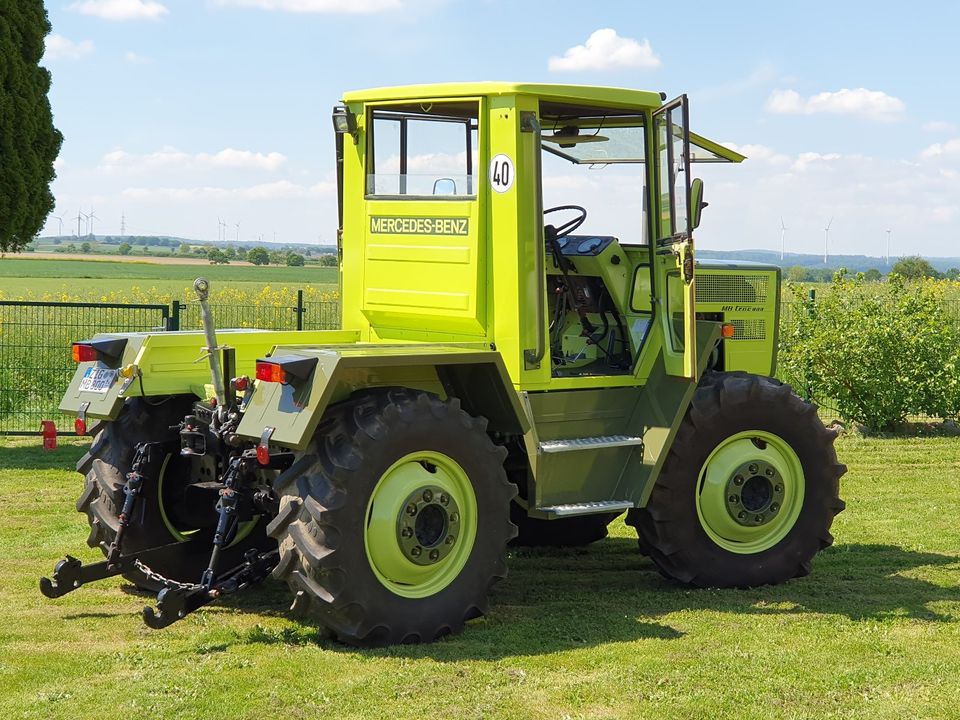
x=423 y=151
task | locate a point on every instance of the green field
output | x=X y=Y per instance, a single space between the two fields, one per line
x=21 y=277
x=873 y=633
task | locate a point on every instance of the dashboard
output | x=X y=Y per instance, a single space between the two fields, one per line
x=584 y=245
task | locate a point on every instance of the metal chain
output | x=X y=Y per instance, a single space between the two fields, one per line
x=166 y=582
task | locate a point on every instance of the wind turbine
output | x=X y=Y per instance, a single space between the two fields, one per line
x=59 y=219
x=888 y=245
x=90 y=218
x=238 y=232
x=80 y=216
x=783 y=232
x=826 y=241
x=219 y=227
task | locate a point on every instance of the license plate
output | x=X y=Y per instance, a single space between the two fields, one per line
x=98 y=380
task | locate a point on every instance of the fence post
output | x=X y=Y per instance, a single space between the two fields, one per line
x=173 y=322
x=809 y=390
x=299 y=310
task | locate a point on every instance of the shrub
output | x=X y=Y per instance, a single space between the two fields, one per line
x=880 y=352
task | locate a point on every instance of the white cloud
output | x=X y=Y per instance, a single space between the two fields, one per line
x=872 y=104
x=807 y=159
x=280 y=190
x=121 y=9
x=317 y=6
x=60 y=48
x=948 y=148
x=759 y=153
x=938 y=126
x=171 y=158
x=136 y=59
x=605 y=50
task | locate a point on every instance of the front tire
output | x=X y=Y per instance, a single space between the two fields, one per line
x=394 y=524
x=749 y=490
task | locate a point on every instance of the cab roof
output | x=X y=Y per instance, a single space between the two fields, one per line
x=608 y=96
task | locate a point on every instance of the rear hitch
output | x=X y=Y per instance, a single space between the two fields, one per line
x=178 y=600
x=70 y=574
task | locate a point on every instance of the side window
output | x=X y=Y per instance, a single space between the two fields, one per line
x=423 y=151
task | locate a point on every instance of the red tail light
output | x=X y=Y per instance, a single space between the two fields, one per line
x=84 y=353
x=270 y=372
x=727 y=330
x=80 y=426
x=263 y=454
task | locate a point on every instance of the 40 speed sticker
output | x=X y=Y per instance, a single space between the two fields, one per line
x=501 y=173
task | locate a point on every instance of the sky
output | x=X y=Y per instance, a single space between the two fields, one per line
x=180 y=114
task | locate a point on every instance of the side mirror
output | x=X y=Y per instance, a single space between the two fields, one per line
x=696 y=202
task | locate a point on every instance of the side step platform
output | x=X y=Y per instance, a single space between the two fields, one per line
x=604 y=456
x=586 y=508
x=589 y=443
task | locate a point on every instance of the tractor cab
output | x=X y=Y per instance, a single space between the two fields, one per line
x=545 y=197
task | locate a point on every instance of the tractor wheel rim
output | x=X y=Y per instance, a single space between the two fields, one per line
x=421 y=524
x=750 y=492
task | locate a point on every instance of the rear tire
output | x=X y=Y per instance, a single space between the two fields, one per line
x=367 y=514
x=749 y=489
x=104 y=469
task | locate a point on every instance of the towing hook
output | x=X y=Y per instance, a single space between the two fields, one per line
x=66 y=577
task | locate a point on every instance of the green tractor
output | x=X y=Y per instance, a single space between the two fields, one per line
x=508 y=371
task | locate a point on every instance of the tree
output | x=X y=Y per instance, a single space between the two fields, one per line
x=872 y=275
x=914 y=268
x=258 y=256
x=86 y=248
x=183 y=249
x=71 y=248
x=797 y=273
x=217 y=257
x=952 y=274
x=278 y=257
x=124 y=248
x=29 y=143
x=295 y=260
x=230 y=252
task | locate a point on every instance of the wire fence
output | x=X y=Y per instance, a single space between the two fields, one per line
x=35 y=360
x=35 y=340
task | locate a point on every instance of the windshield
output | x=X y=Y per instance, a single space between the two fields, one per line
x=596 y=162
x=590 y=142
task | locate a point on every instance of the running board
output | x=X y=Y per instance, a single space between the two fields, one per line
x=586 y=508
x=589 y=443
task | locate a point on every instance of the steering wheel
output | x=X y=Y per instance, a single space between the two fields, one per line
x=569 y=226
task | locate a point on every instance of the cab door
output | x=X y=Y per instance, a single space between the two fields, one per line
x=673 y=258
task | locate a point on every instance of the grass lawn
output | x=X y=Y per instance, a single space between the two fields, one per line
x=874 y=632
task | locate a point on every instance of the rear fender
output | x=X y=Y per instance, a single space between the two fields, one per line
x=173 y=363
x=476 y=376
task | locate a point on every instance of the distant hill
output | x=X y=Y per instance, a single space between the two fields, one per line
x=172 y=241
x=853 y=263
